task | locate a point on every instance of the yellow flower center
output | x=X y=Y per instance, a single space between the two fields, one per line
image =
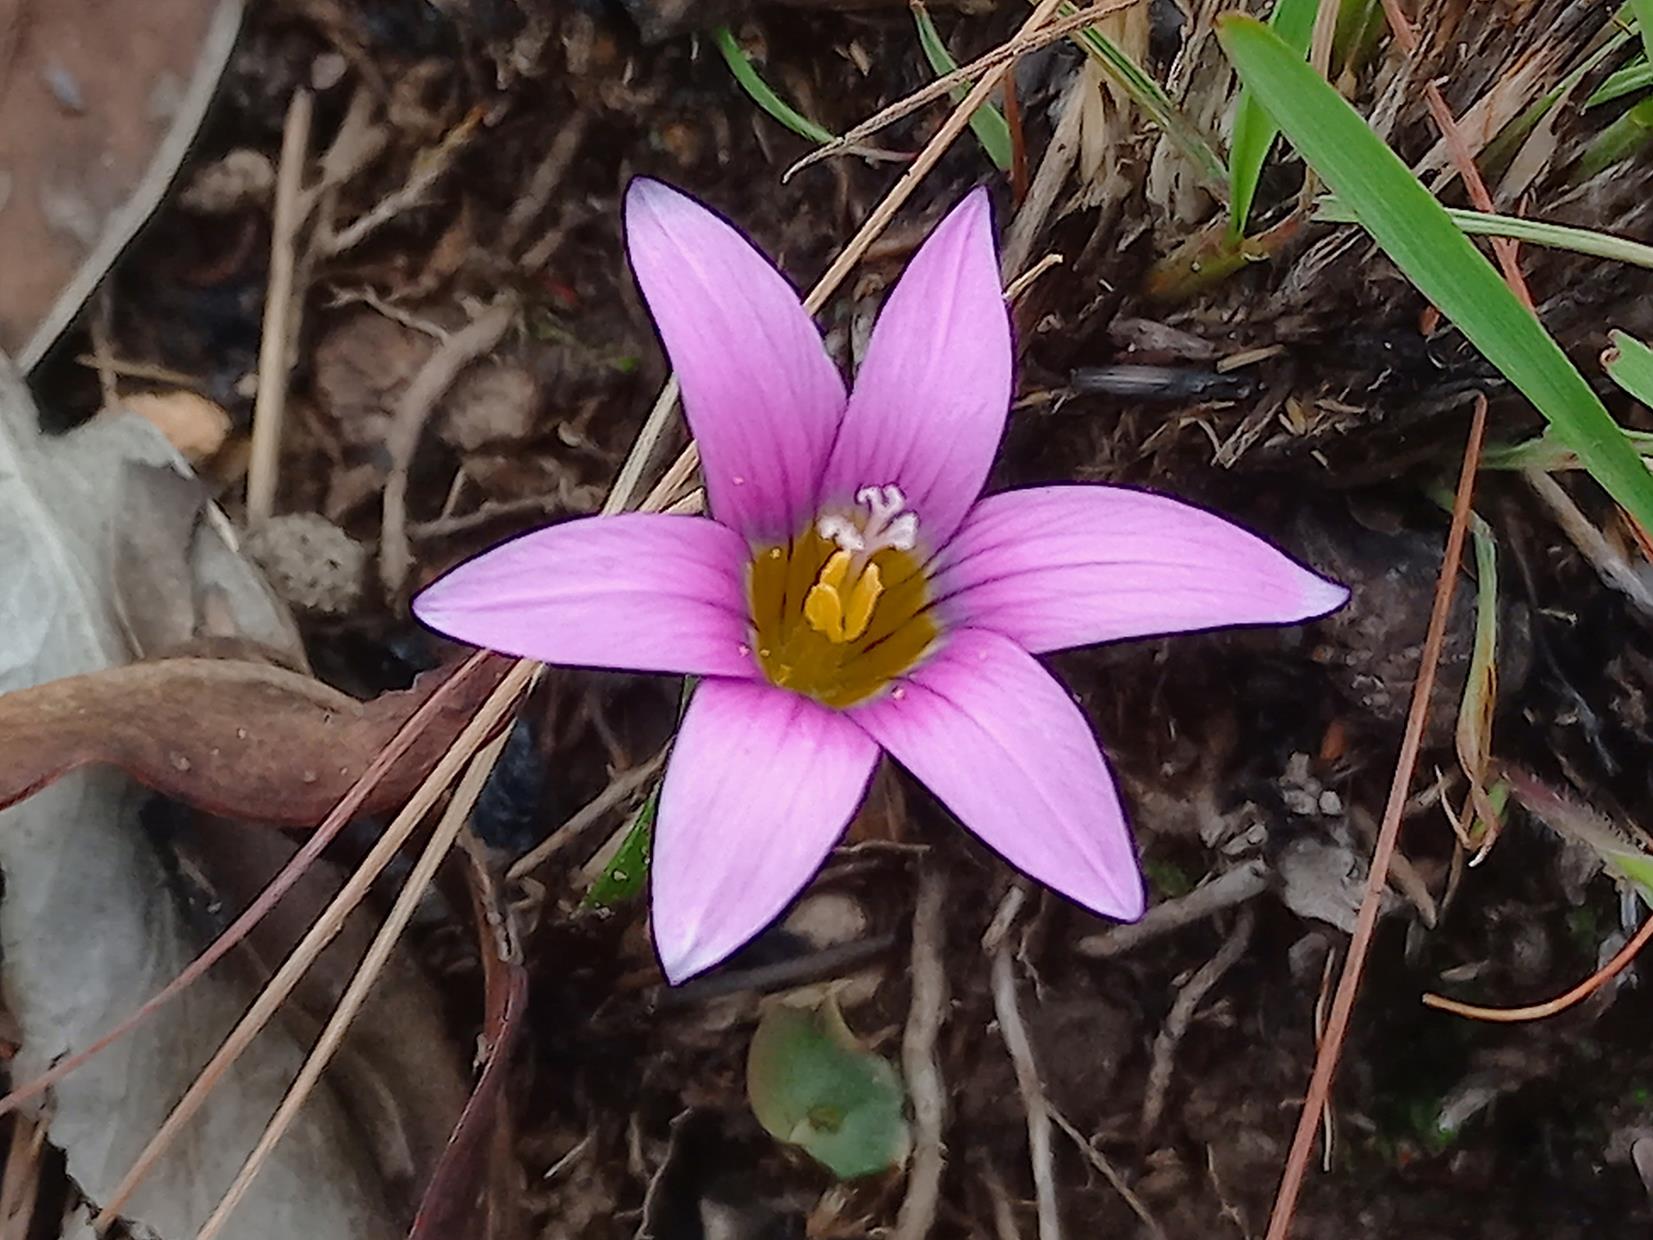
x=842 y=610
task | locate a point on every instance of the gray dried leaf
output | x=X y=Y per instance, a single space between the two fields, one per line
x=88 y=926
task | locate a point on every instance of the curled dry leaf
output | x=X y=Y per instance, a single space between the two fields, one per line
x=232 y=737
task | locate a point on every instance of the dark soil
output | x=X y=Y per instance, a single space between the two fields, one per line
x=1230 y=747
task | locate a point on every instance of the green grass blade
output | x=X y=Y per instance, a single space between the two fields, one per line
x=1626 y=81
x=762 y=95
x=988 y=123
x=1642 y=10
x=1422 y=240
x=1629 y=364
x=1254 y=128
x=1627 y=135
x=1554 y=236
x=1150 y=96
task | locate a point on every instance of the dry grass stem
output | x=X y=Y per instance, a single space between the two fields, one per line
x=919 y=1063
x=1055 y=167
x=454 y=817
x=1377 y=878
x=275 y=342
x=490 y=716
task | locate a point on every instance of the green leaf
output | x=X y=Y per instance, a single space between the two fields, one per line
x=811 y=1084
x=1629 y=364
x=1626 y=81
x=1150 y=96
x=1489 y=224
x=628 y=873
x=1422 y=240
x=1254 y=128
x=762 y=95
x=988 y=123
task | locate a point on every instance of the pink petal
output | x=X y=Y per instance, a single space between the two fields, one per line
x=1004 y=747
x=762 y=397
x=637 y=592
x=761 y=784
x=1065 y=566
x=931 y=398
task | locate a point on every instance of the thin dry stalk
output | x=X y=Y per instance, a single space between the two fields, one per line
x=1111 y=1174
x=243 y=925
x=1013 y=1029
x=1377 y=878
x=1181 y=1016
x=1021 y=45
x=275 y=343
x=918 y=1058
x=454 y=817
x=492 y=714
x=435 y=377
x=621 y=787
x=1539 y=1011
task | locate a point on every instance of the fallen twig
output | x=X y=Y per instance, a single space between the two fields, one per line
x=1238 y=885
x=418 y=402
x=1182 y=1015
x=1013 y=1030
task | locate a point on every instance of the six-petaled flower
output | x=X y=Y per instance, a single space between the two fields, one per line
x=851 y=591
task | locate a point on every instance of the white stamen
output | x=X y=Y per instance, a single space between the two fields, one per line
x=888 y=523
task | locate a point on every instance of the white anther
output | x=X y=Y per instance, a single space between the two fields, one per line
x=888 y=523
x=842 y=531
x=902 y=532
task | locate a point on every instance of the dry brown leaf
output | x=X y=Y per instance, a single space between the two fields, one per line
x=240 y=739
x=88 y=152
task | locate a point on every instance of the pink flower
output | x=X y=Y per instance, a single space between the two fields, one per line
x=852 y=592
